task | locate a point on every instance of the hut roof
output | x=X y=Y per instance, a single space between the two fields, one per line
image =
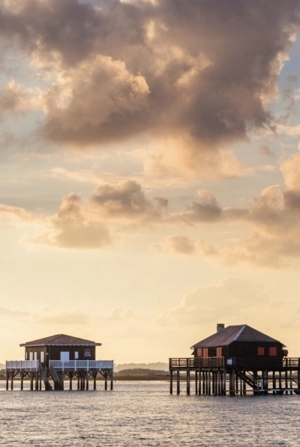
x=230 y=334
x=61 y=340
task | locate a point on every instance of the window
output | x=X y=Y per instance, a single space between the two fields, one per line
x=87 y=353
x=260 y=351
x=272 y=351
x=199 y=352
x=76 y=355
x=205 y=352
x=219 y=352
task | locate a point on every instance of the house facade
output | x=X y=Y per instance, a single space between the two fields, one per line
x=241 y=343
x=61 y=347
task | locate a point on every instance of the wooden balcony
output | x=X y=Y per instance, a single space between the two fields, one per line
x=82 y=365
x=23 y=365
x=196 y=363
x=239 y=363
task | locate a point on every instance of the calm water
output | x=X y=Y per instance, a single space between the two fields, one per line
x=144 y=414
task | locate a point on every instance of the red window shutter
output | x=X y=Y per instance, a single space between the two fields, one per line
x=260 y=350
x=272 y=351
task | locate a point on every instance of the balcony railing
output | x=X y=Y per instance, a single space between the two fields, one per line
x=197 y=362
x=241 y=363
x=72 y=365
x=86 y=365
x=28 y=365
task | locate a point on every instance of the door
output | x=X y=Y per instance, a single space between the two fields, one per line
x=64 y=356
x=42 y=357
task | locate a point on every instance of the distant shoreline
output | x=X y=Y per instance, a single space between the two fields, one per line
x=129 y=375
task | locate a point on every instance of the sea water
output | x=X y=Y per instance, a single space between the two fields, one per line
x=144 y=414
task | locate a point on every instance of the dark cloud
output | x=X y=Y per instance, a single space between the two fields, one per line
x=206 y=209
x=200 y=68
x=267 y=151
x=12 y=99
x=121 y=200
x=292 y=199
x=126 y=201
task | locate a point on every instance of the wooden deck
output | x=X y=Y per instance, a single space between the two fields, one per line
x=221 y=376
x=57 y=372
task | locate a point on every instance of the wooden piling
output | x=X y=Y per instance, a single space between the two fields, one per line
x=188 y=382
x=171 y=381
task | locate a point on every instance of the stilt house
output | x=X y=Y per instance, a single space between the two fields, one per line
x=52 y=360
x=237 y=360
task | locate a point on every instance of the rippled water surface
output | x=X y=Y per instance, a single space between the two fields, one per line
x=144 y=414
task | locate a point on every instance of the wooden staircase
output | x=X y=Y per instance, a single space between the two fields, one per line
x=58 y=382
x=44 y=376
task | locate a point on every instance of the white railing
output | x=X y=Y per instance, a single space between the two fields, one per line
x=28 y=365
x=87 y=365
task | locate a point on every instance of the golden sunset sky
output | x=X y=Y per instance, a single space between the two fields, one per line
x=150 y=172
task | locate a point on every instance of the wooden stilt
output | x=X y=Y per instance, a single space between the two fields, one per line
x=280 y=381
x=171 y=381
x=188 y=382
x=178 y=382
x=232 y=383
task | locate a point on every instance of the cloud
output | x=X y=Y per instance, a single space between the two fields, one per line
x=194 y=71
x=127 y=201
x=178 y=244
x=267 y=151
x=77 y=111
x=290 y=170
x=13 y=213
x=207 y=210
x=73 y=227
x=12 y=99
x=84 y=224
x=274 y=238
x=232 y=299
x=82 y=176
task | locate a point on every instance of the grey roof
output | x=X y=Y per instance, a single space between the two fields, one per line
x=230 y=334
x=61 y=340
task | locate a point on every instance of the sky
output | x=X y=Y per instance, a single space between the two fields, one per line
x=150 y=172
